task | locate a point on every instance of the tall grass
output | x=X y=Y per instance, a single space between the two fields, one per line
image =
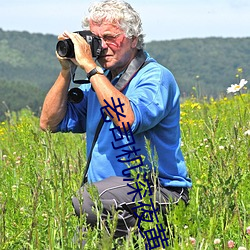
x=40 y=172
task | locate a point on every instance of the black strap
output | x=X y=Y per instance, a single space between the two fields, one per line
x=136 y=64
x=97 y=132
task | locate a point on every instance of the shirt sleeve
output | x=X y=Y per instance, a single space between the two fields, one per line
x=75 y=118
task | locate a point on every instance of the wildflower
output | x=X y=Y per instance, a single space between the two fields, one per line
x=195 y=106
x=14 y=188
x=45 y=216
x=240 y=70
x=248 y=230
x=216 y=241
x=198 y=182
x=242 y=248
x=192 y=240
x=230 y=244
x=237 y=87
x=221 y=147
x=247 y=133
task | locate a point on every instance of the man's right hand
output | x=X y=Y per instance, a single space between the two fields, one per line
x=66 y=63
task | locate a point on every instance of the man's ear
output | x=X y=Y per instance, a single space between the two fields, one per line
x=134 y=42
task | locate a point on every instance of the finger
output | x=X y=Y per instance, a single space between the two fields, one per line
x=66 y=33
x=62 y=36
x=75 y=37
x=59 y=57
x=69 y=60
x=70 y=34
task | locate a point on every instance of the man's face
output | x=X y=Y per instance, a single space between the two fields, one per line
x=118 y=50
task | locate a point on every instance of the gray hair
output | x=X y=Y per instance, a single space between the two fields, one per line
x=120 y=13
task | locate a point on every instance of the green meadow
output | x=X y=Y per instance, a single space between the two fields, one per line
x=40 y=172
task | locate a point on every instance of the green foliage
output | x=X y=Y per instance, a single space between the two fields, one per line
x=14 y=95
x=216 y=146
x=28 y=58
x=40 y=172
x=204 y=67
x=208 y=62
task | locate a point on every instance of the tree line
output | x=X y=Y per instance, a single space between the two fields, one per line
x=202 y=67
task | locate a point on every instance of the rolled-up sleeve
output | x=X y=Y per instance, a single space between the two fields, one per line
x=75 y=117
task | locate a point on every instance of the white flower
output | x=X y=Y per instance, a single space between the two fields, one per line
x=237 y=87
x=246 y=133
x=242 y=248
x=217 y=241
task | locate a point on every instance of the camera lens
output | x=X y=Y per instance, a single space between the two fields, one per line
x=65 y=48
x=75 y=95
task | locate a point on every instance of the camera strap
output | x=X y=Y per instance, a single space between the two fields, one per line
x=136 y=64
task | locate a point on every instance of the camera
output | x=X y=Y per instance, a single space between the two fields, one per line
x=65 y=48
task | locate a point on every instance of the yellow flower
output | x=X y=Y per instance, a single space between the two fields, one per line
x=195 y=105
x=240 y=70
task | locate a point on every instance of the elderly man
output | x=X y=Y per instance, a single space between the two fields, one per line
x=141 y=100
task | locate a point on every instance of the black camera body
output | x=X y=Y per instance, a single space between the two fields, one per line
x=65 y=48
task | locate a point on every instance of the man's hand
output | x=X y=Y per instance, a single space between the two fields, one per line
x=66 y=63
x=83 y=54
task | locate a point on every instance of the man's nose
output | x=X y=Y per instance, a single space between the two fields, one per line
x=104 y=44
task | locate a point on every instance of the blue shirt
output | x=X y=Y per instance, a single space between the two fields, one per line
x=154 y=97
